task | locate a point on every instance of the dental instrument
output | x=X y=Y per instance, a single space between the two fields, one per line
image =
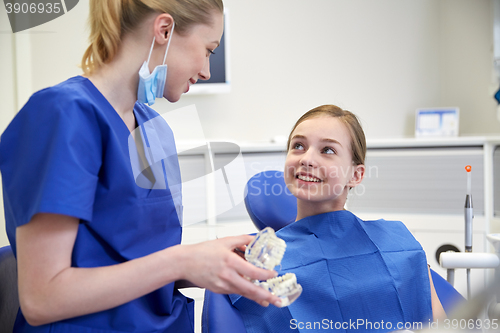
x=468 y=211
x=469 y=215
x=266 y=251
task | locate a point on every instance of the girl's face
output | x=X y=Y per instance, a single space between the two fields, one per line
x=319 y=169
x=188 y=57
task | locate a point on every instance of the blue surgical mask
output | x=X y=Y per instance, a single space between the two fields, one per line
x=151 y=86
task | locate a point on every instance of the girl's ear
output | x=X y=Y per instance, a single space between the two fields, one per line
x=357 y=176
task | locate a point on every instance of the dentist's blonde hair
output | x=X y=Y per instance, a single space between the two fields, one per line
x=349 y=119
x=109 y=20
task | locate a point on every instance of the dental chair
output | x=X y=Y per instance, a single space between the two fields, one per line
x=270 y=204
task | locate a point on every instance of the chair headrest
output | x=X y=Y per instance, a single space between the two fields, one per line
x=268 y=201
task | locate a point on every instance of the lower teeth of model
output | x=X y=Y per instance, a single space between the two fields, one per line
x=285 y=287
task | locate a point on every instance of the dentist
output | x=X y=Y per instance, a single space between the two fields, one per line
x=96 y=252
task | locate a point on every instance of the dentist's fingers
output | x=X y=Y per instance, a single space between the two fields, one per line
x=248 y=289
x=243 y=267
x=254 y=273
x=237 y=241
x=249 y=271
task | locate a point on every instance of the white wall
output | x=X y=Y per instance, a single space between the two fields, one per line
x=34 y=59
x=381 y=59
x=378 y=58
x=466 y=57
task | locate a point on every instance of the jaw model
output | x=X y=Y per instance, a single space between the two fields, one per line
x=266 y=251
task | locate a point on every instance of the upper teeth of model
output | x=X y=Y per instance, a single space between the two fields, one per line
x=309 y=179
x=266 y=250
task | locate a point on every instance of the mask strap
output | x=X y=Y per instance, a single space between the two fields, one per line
x=169 y=40
x=168 y=45
x=151 y=50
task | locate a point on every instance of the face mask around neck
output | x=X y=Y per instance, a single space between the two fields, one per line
x=152 y=85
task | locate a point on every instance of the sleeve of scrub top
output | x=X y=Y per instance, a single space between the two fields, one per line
x=52 y=157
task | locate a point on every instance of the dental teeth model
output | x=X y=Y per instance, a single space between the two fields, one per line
x=285 y=287
x=266 y=251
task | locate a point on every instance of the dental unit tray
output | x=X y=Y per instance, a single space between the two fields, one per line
x=266 y=251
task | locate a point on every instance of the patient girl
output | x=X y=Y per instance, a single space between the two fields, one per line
x=356 y=275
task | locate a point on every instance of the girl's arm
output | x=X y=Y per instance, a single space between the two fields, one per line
x=51 y=290
x=437 y=307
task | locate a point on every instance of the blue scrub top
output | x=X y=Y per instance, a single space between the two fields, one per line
x=67 y=152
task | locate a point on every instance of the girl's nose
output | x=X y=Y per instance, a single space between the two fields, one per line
x=309 y=159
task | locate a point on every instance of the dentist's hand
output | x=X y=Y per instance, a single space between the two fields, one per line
x=214 y=265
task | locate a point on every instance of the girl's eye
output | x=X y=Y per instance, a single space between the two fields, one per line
x=210 y=52
x=298 y=146
x=328 y=150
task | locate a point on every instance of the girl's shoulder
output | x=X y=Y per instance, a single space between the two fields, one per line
x=390 y=234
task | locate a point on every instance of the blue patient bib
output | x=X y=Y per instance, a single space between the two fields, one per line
x=357 y=276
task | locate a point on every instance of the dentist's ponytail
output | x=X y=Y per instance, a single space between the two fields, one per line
x=109 y=20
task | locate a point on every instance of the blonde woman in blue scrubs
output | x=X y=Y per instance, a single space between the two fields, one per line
x=96 y=252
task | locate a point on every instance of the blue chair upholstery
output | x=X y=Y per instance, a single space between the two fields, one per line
x=447 y=294
x=269 y=203
x=219 y=315
x=9 y=299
